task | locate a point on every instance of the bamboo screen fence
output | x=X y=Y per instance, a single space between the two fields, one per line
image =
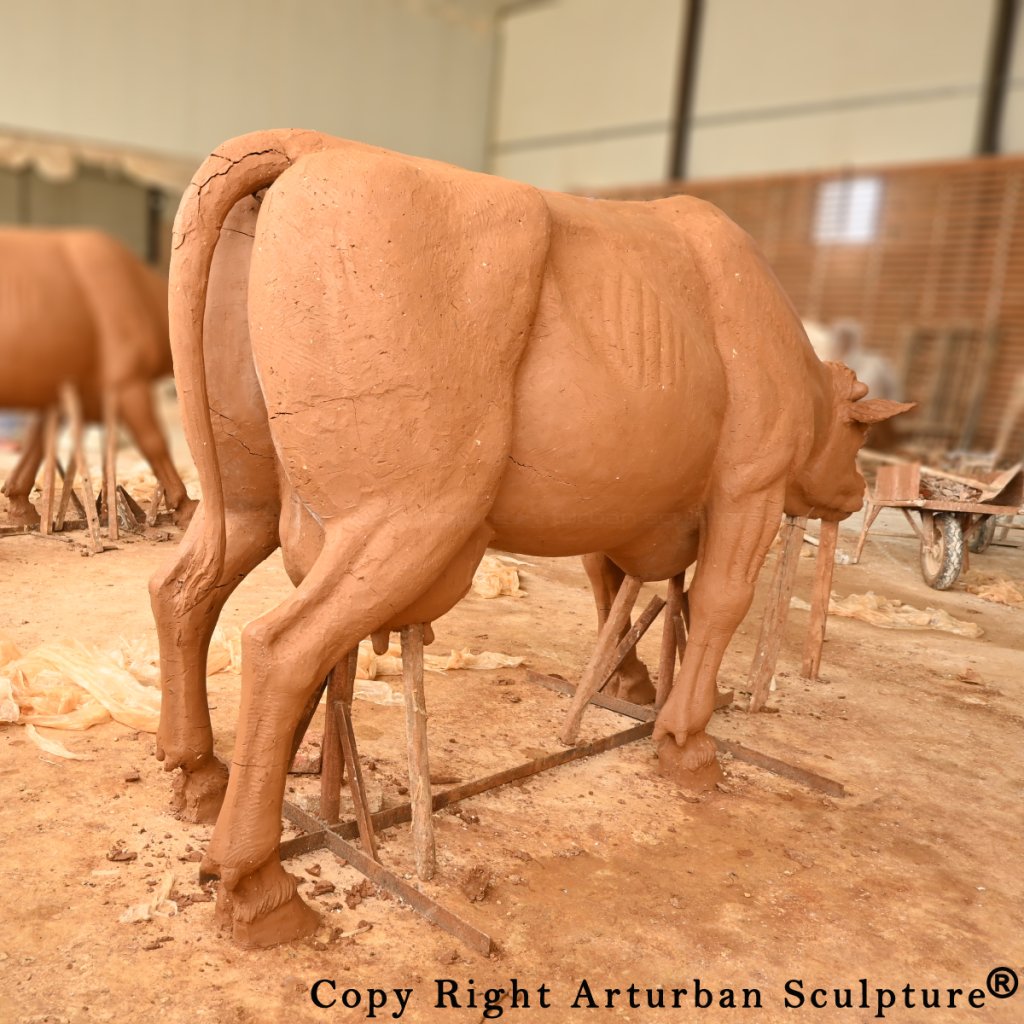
x=929 y=259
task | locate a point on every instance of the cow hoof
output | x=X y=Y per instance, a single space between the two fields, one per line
x=198 y=793
x=21 y=512
x=694 y=766
x=293 y=920
x=264 y=909
x=183 y=514
x=633 y=684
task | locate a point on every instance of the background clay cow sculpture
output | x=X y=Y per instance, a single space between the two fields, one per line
x=389 y=364
x=77 y=307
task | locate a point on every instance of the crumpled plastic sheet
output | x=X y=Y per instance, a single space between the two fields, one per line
x=497 y=577
x=71 y=686
x=891 y=614
x=995 y=587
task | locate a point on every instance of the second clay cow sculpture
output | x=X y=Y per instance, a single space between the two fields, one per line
x=388 y=364
x=77 y=307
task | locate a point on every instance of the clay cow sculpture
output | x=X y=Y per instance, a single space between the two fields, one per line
x=388 y=364
x=78 y=307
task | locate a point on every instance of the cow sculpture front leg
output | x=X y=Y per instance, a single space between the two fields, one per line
x=738 y=534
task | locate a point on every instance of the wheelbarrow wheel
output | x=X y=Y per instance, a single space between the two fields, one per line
x=983 y=535
x=943 y=557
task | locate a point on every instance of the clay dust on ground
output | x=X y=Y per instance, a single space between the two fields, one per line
x=598 y=871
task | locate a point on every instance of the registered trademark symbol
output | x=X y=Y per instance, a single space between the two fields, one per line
x=1002 y=982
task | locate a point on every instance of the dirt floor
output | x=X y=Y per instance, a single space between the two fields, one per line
x=599 y=872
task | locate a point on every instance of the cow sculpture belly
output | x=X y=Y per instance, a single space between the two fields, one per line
x=77 y=307
x=389 y=364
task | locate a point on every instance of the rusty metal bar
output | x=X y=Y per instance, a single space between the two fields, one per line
x=772 y=764
x=428 y=908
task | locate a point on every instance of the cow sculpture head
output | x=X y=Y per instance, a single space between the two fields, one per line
x=829 y=486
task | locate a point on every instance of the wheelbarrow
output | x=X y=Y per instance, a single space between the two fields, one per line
x=952 y=512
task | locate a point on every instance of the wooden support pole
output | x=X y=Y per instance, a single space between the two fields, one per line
x=819 y=602
x=154 y=505
x=49 y=469
x=73 y=410
x=776 y=610
x=331 y=763
x=110 y=461
x=630 y=640
x=419 y=758
x=669 y=644
x=343 y=714
x=607 y=641
x=871 y=511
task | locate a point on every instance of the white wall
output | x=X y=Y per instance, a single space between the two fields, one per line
x=796 y=84
x=587 y=88
x=182 y=77
x=586 y=91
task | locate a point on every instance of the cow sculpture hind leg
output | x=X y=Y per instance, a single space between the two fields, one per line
x=733 y=547
x=134 y=403
x=632 y=681
x=372 y=565
x=241 y=438
x=185 y=736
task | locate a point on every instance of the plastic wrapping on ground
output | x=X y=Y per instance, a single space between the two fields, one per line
x=71 y=686
x=993 y=586
x=891 y=614
x=496 y=577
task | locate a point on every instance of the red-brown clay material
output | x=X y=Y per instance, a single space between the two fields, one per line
x=79 y=308
x=387 y=364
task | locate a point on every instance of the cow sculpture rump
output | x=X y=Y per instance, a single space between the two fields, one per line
x=77 y=307
x=388 y=364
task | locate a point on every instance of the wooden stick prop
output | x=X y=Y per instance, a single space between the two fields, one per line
x=871 y=511
x=49 y=470
x=343 y=715
x=819 y=602
x=73 y=410
x=331 y=764
x=110 y=462
x=154 y=505
x=669 y=644
x=631 y=639
x=776 y=610
x=607 y=641
x=419 y=758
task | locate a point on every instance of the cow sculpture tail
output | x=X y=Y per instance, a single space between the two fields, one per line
x=238 y=168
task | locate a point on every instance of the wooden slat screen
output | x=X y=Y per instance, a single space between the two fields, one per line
x=938 y=288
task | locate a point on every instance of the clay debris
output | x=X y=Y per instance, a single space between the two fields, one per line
x=995 y=587
x=891 y=614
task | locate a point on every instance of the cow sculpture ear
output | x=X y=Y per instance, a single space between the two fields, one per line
x=874 y=410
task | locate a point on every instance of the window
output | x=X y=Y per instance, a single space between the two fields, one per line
x=848 y=211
